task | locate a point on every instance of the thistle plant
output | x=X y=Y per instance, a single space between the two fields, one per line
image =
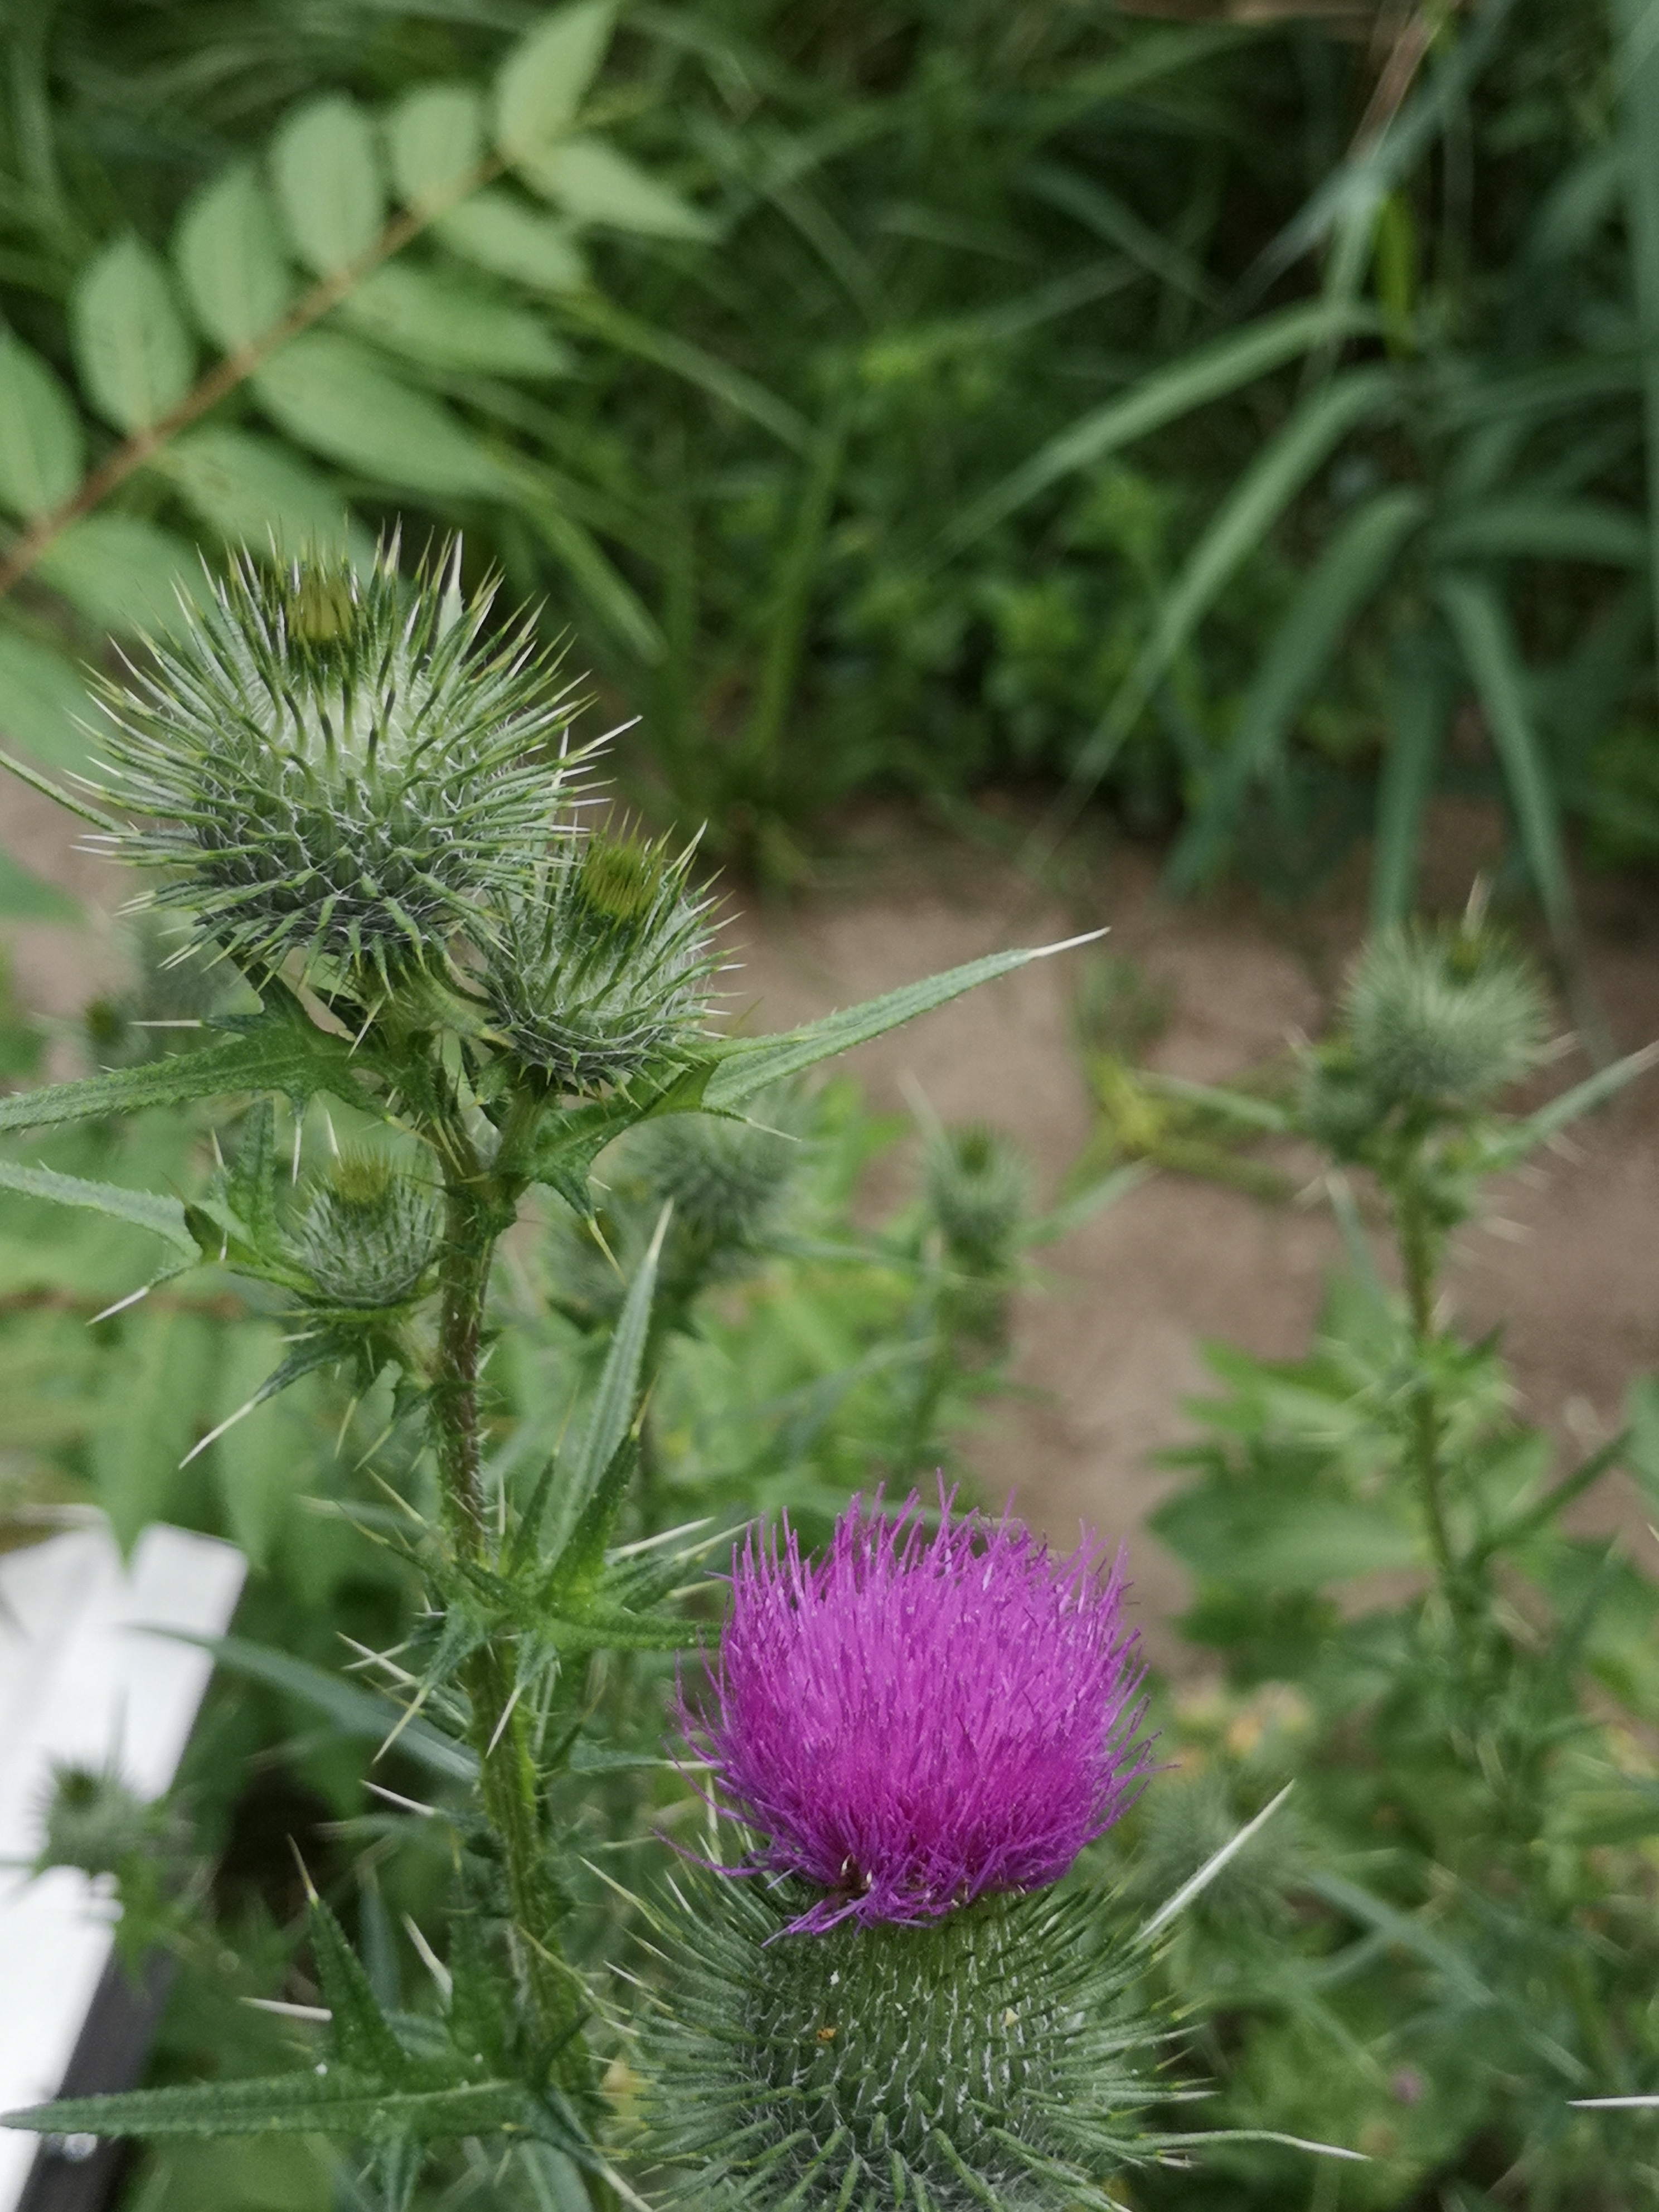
x=357 y=793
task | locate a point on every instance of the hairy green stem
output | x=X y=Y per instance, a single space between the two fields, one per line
x=479 y=1206
x=1418 y=1250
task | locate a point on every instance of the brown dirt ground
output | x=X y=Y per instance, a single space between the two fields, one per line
x=1109 y=1342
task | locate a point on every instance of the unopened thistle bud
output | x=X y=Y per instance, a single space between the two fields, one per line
x=923 y=1732
x=1442 y=1017
x=726 y=1179
x=339 y=765
x=978 y=1184
x=93 y=1821
x=601 y=972
x=368 y=1236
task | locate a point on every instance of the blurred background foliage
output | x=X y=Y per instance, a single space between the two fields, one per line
x=1229 y=414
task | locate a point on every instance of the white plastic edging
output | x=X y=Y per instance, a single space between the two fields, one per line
x=80 y=1682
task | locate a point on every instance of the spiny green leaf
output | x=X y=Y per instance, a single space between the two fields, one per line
x=332 y=2102
x=141 y=1208
x=745 y=1066
x=360 y=2034
x=277 y=1049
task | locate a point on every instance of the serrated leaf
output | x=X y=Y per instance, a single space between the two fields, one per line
x=449 y=322
x=493 y=231
x=252 y=491
x=359 y=2032
x=328 y=174
x=435 y=135
x=124 y=574
x=541 y=83
x=332 y=394
x=45 y=704
x=230 y=256
x=745 y=1066
x=26 y=897
x=42 y=447
x=134 y=355
x=140 y=1209
x=275 y=1050
x=611 y=1414
x=595 y=183
x=334 y=2102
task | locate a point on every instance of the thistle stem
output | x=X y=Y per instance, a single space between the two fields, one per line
x=1417 y=1252
x=478 y=1207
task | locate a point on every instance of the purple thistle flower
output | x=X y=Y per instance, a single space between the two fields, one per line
x=922 y=1719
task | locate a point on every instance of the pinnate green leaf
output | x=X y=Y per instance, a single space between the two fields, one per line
x=42 y=444
x=435 y=135
x=450 y=321
x=595 y=183
x=497 y=233
x=134 y=355
x=333 y=394
x=328 y=180
x=231 y=257
x=543 y=80
x=251 y=489
x=124 y=574
x=44 y=703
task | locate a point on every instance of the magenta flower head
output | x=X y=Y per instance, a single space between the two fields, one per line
x=926 y=1718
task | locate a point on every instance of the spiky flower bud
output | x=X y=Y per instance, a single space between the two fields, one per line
x=602 y=971
x=93 y=1821
x=337 y=764
x=1442 y=1017
x=923 y=1730
x=369 y=1235
x=726 y=1179
x=978 y=1185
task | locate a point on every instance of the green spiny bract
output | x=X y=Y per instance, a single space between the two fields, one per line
x=987 y=2056
x=602 y=968
x=94 y=1821
x=368 y=1236
x=338 y=765
x=978 y=1182
x=1443 y=1018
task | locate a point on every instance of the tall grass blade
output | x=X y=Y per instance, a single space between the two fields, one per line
x=1331 y=596
x=1255 y=504
x=1420 y=699
x=1636 y=23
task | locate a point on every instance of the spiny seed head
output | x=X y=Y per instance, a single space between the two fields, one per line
x=987 y=2059
x=978 y=1184
x=602 y=971
x=1442 y=1017
x=369 y=1235
x=341 y=765
x=924 y=1719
